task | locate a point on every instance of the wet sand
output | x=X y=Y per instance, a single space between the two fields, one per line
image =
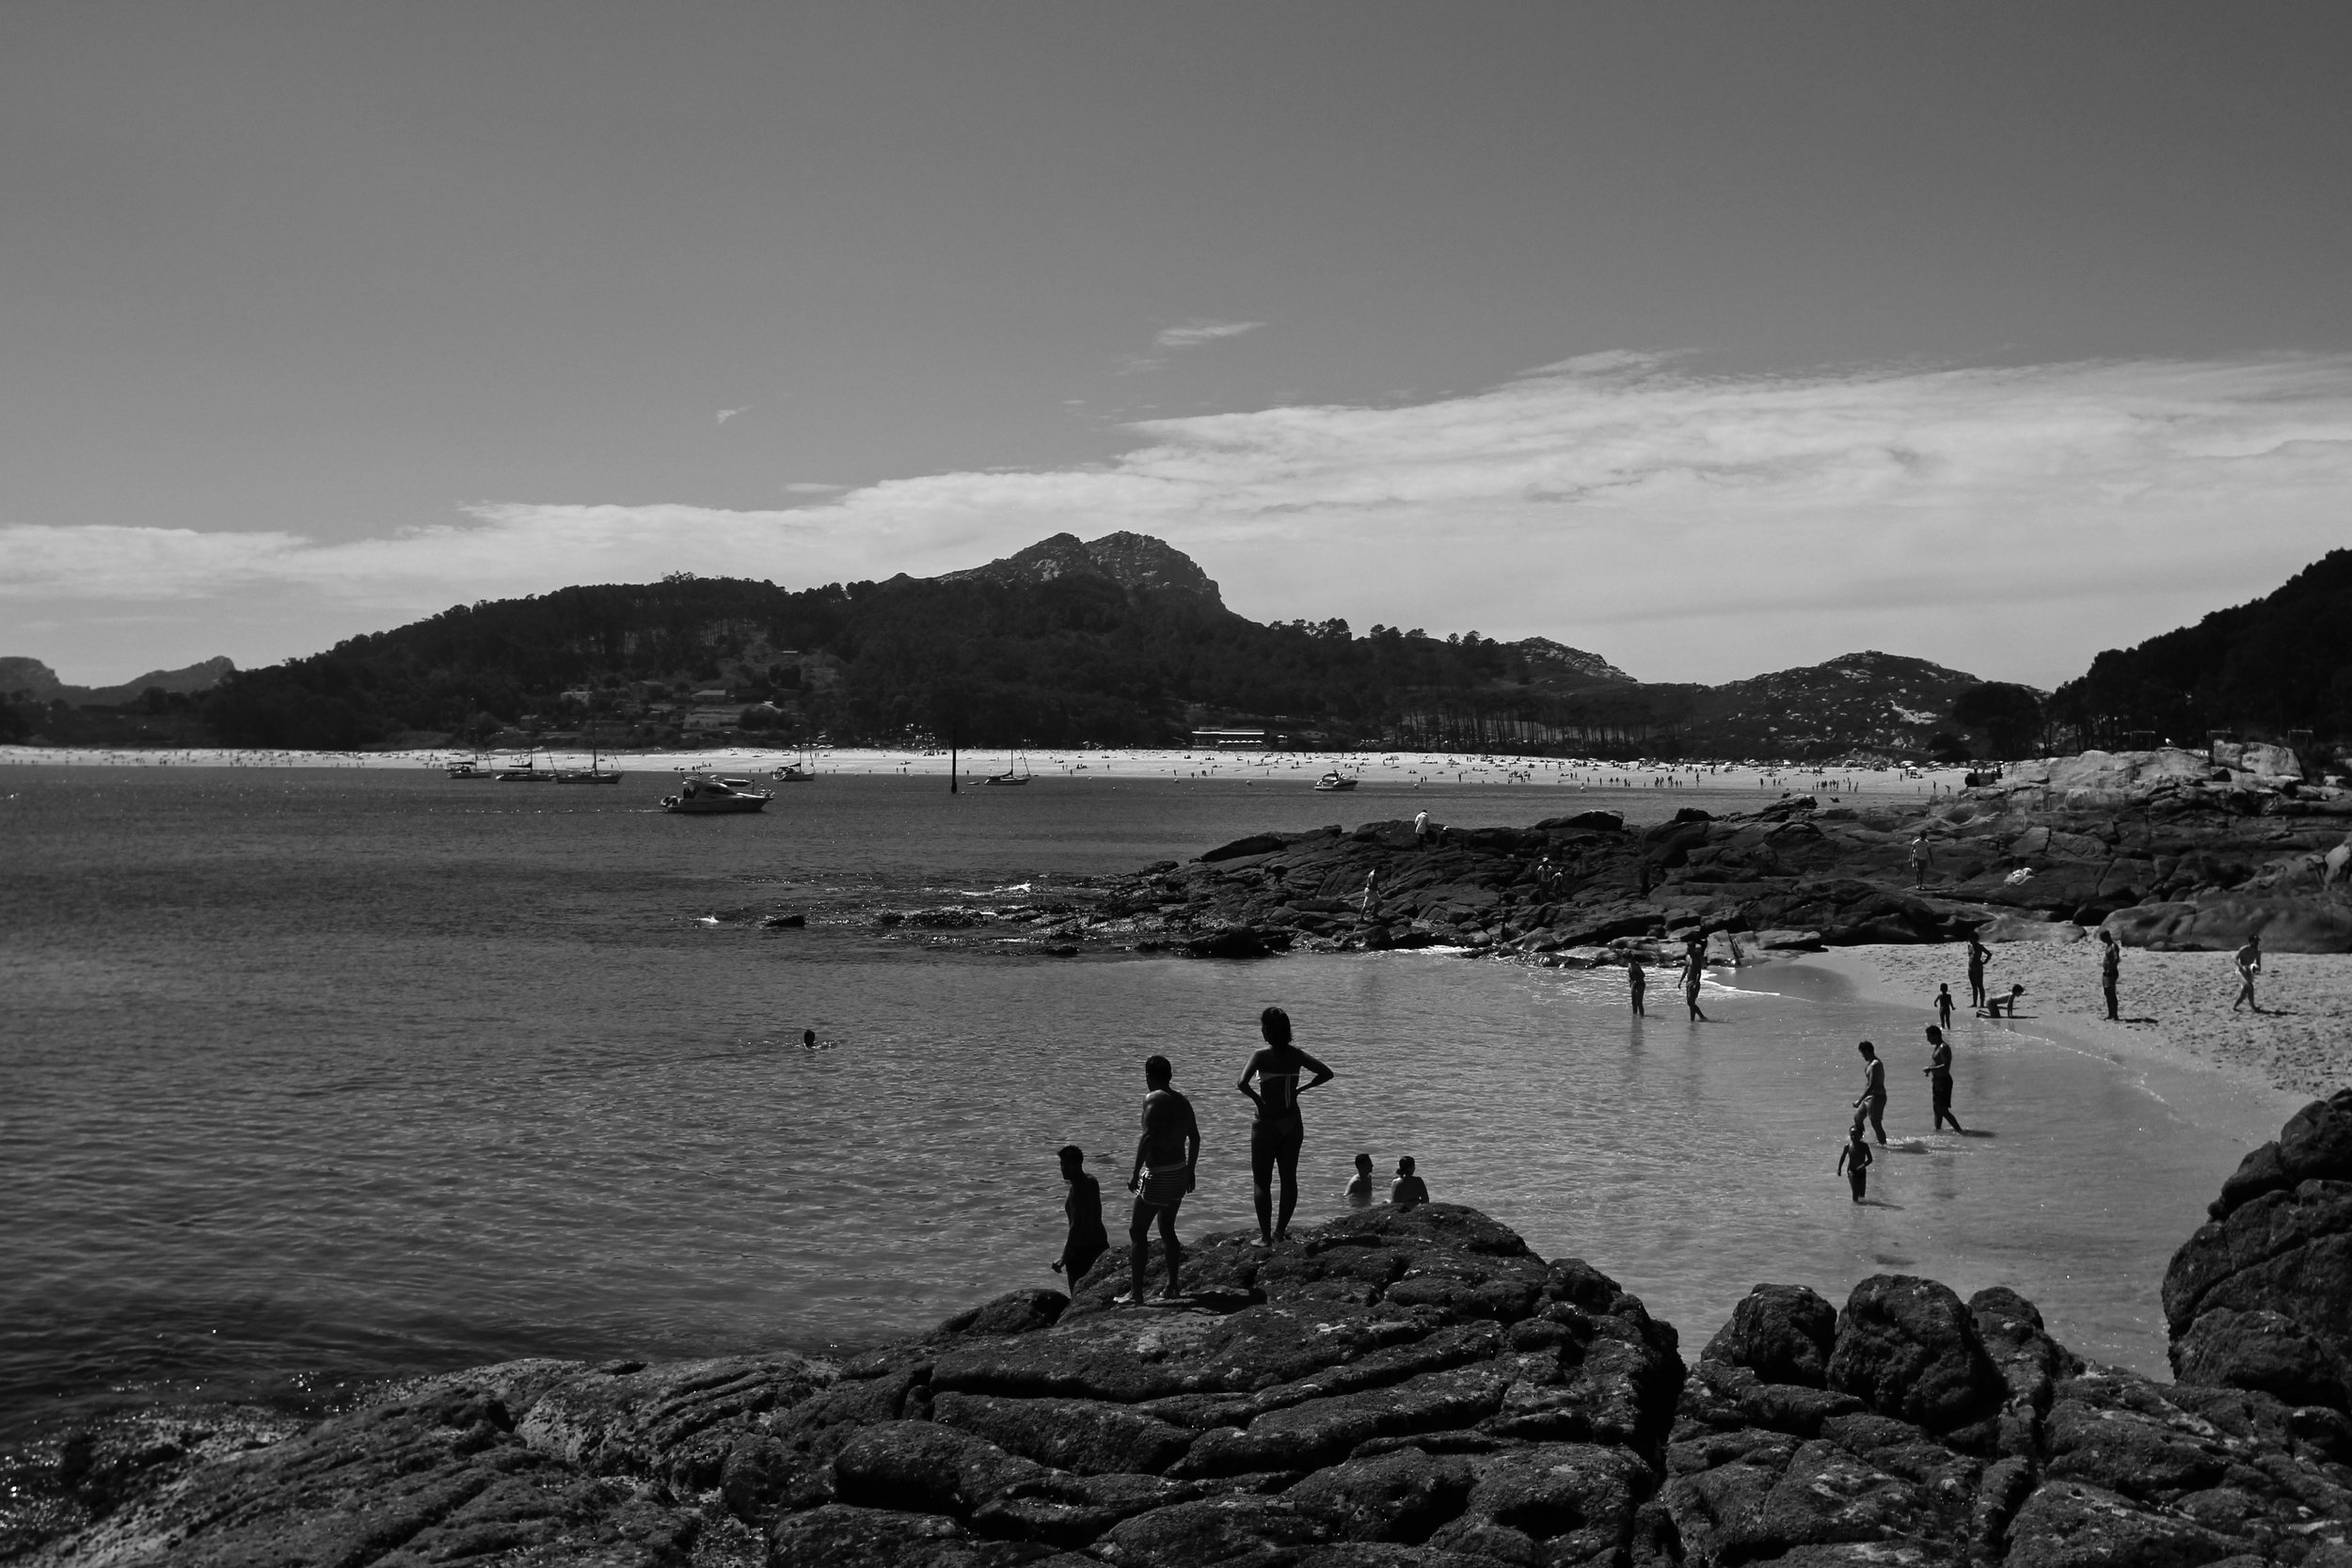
x=2176 y=1005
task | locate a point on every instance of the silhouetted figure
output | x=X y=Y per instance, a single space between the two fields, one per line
x=1407 y=1191
x=1360 y=1190
x=2248 y=962
x=1636 y=982
x=1854 y=1160
x=1944 y=1004
x=1872 y=1102
x=1277 y=1135
x=1164 y=1156
x=1693 y=970
x=1088 y=1240
x=2110 y=972
x=1977 y=954
x=1939 y=1072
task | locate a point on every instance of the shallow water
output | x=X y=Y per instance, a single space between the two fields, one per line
x=312 y=1078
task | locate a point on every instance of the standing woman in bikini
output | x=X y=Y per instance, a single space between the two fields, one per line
x=1278 y=1134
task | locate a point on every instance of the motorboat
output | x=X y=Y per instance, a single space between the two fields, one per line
x=470 y=768
x=703 y=795
x=1333 y=781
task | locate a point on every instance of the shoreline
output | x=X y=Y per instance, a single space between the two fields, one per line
x=1112 y=763
x=2298 y=1053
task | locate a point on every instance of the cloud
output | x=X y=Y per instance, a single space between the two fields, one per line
x=727 y=414
x=2008 y=520
x=1193 y=334
x=810 y=488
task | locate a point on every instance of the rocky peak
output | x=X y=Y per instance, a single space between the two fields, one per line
x=1129 y=560
x=1547 y=657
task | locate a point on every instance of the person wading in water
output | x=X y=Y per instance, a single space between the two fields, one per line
x=1873 y=1101
x=1276 y=1136
x=1939 y=1073
x=1087 y=1240
x=1164 y=1157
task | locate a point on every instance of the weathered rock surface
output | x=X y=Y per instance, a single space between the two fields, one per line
x=2261 y=1296
x=1390 y=1390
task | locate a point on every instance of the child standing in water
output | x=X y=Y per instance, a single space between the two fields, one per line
x=1944 y=1004
x=1854 y=1160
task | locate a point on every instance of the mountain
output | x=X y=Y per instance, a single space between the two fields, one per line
x=30 y=680
x=1118 y=641
x=1130 y=559
x=2262 y=670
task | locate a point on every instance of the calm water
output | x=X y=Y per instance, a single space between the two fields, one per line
x=314 y=1077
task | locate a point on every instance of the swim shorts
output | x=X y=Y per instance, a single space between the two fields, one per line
x=1275 y=1142
x=1164 y=1189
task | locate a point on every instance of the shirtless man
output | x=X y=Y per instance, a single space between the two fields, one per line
x=1275 y=1137
x=2248 y=962
x=1873 y=1101
x=1165 y=1155
x=1693 y=970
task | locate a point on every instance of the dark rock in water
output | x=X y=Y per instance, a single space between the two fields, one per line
x=2261 y=1296
x=1907 y=1348
x=1256 y=843
x=784 y=921
x=1782 y=1333
x=1583 y=821
x=1014 y=1312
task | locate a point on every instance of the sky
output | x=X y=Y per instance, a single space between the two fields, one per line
x=1713 y=338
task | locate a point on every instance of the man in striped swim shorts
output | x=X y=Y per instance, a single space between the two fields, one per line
x=1165 y=1155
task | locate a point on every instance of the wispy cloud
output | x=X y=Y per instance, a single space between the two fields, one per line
x=811 y=487
x=727 y=414
x=1193 y=334
x=2009 y=520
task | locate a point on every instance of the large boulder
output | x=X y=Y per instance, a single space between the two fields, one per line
x=1783 y=1333
x=2221 y=924
x=1907 y=1348
x=2261 y=1296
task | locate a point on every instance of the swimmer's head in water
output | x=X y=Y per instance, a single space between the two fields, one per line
x=1157 y=1071
x=1275 y=1025
x=808 y=1036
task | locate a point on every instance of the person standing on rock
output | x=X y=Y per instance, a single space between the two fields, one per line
x=1854 y=1161
x=2110 y=972
x=1977 y=954
x=2248 y=962
x=1164 y=1157
x=1421 y=829
x=1636 y=982
x=1919 y=861
x=1277 y=1135
x=1088 y=1240
x=1873 y=1101
x=1939 y=1074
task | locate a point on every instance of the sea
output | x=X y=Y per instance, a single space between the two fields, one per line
x=315 y=1077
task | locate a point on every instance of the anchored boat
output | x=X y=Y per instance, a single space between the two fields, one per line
x=1333 y=781
x=703 y=795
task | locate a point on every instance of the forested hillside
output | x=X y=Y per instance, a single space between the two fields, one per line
x=2264 y=669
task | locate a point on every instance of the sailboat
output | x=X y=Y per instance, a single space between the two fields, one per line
x=595 y=773
x=1008 y=776
x=802 y=771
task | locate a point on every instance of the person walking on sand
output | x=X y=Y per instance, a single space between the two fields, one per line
x=1854 y=1161
x=1636 y=982
x=1977 y=954
x=2248 y=962
x=1277 y=1135
x=1872 y=1102
x=1944 y=1004
x=1693 y=970
x=1407 y=1191
x=1939 y=1073
x=1088 y=1240
x=2110 y=972
x=1164 y=1157
x=1360 y=1190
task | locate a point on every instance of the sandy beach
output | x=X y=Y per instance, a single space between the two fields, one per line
x=2175 y=1005
x=1581 y=775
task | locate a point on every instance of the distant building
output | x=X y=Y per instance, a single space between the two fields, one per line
x=712 y=720
x=1231 y=740
x=712 y=695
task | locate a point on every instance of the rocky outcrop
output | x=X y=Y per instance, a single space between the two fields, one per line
x=2261 y=1298
x=1387 y=1389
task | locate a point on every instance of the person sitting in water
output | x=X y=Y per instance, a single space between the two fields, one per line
x=1407 y=1191
x=1360 y=1190
x=1996 y=1006
x=1165 y=1154
x=1088 y=1240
